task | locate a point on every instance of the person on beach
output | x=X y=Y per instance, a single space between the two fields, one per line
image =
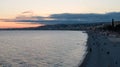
x=90 y=50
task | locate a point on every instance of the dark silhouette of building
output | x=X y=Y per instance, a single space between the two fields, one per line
x=113 y=24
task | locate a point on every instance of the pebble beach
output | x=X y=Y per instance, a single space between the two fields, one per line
x=102 y=51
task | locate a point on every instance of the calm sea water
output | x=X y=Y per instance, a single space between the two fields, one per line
x=42 y=48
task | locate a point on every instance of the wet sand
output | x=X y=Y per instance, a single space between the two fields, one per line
x=102 y=51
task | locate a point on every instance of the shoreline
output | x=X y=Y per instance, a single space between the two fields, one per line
x=87 y=54
x=101 y=51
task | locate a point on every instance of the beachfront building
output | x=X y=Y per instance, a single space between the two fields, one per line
x=115 y=23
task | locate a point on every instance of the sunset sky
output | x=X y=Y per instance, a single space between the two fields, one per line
x=17 y=25
x=12 y=9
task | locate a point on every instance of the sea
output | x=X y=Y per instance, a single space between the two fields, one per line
x=34 y=48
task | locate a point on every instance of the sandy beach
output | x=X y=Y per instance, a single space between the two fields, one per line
x=103 y=51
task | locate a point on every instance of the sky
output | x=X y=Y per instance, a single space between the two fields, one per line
x=25 y=9
x=17 y=25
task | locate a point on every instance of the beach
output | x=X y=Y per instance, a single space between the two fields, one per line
x=102 y=51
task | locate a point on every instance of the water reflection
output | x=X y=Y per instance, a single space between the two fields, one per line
x=42 y=48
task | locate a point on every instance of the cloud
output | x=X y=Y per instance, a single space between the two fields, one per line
x=67 y=18
x=27 y=13
x=29 y=18
x=90 y=17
